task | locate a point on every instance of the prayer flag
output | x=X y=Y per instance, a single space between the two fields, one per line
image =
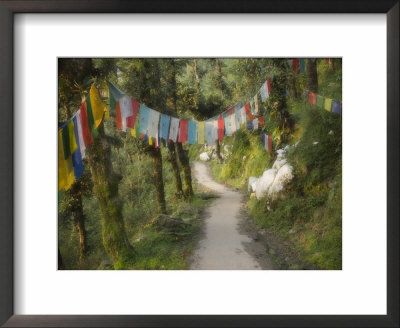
x=125 y=105
x=228 y=130
x=164 y=126
x=118 y=117
x=267 y=141
x=98 y=107
x=192 y=131
x=221 y=128
x=66 y=176
x=200 y=133
x=302 y=65
x=269 y=86
x=237 y=119
x=154 y=119
x=336 y=107
x=233 y=123
x=264 y=91
x=174 y=129
x=255 y=124
x=130 y=120
x=249 y=125
x=79 y=134
x=144 y=114
x=215 y=130
x=242 y=116
x=91 y=121
x=312 y=98
x=296 y=66
x=328 y=104
x=114 y=94
x=183 y=131
x=136 y=131
x=320 y=101
x=68 y=137
x=209 y=133
x=87 y=135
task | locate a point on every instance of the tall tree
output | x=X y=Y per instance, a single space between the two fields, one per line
x=312 y=76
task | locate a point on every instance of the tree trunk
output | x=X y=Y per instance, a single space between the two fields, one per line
x=292 y=87
x=80 y=228
x=155 y=154
x=218 y=151
x=105 y=189
x=312 y=77
x=175 y=167
x=184 y=159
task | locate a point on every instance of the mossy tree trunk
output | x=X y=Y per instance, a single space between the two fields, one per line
x=105 y=187
x=184 y=159
x=175 y=167
x=218 y=151
x=312 y=77
x=155 y=154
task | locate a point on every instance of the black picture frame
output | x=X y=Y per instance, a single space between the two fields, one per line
x=10 y=7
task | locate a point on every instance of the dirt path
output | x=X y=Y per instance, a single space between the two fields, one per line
x=223 y=246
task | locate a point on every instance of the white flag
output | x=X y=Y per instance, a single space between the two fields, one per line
x=255 y=124
x=174 y=129
x=80 y=134
x=154 y=119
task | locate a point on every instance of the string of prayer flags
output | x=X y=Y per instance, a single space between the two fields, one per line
x=320 y=101
x=328 y=104
x=255 y=124
x=87 y=135
x=302 y=65
x=66 y=175
x=183 y=131
x=130 y=120
x=267 y=141
x=221 y=130
x=209 y=133
x=296 y=66
x=174 y=129
x=192 y=132
x=336 y=107
x=312 y=98
x=164 y=126
x=68 y=138
x=125 y=110
x=79 y=133
x=154 y=119
x=200 y=133
x=144 y=114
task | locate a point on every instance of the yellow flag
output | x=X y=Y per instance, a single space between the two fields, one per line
x=328 y=104
x=98 y=107
x=200 y=133
x=71 y=134
x=66 y=176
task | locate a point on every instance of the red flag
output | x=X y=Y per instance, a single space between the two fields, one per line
x=296 y=66
x=230 y=111
x=269 y=85
x=221 y=128
x=183 y=131
x=130 y=121
x=247 y=108
x=261 y=121
x=269 y=143
x=118 y=118
x=312 y=98
x=87 y=135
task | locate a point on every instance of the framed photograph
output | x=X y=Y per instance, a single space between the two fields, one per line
x=206 y=164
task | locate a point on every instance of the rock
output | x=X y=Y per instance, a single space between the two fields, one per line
x=279 y=163
x=292 y=231
x=265 y=182
x=244 y=158
x=283 y=176
x=330 y=133
x=164 y=221
x=315 y=143
x=204 y=157
x=252 y=184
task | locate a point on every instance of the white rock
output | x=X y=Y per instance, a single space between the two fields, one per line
x=281 y=153
x=204 y=157
x=252 y=184
x=279 y=163
x=283 y=176
x=315 y=143
x=265 y=182
x=330 y=133
x=244 y=158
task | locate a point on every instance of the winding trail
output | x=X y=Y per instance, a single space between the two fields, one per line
x=223 y=246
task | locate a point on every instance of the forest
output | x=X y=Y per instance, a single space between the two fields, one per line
x=134 y=202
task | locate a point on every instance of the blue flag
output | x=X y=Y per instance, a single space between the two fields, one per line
x=192 y=131
x=336 y=107
x=77 y=156
x=144 y=114
x=249 y=125
x=302 y=65
x=164 y=126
